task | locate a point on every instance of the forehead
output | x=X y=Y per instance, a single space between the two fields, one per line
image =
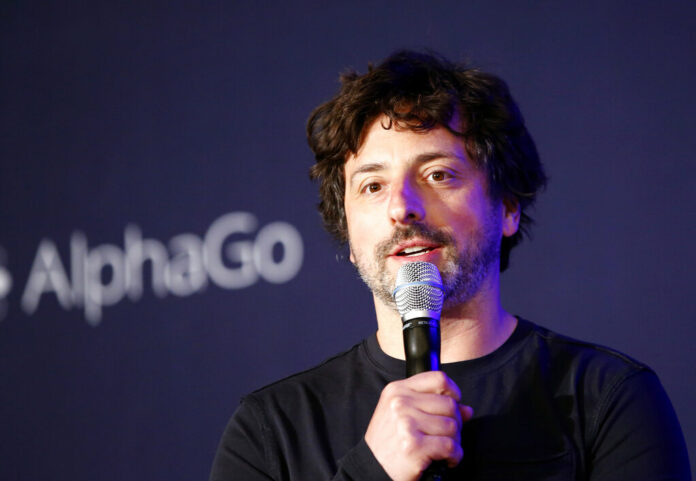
x=385 y=142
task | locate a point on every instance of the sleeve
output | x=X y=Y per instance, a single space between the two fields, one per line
x=241 y=454
x=637 y=434
x=360 y=464
x=248 y=452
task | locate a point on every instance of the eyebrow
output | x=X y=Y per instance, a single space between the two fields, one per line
x=418 y=159
x=363 y=169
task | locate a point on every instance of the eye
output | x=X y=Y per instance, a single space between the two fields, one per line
x=438 y=176
x=371 y=188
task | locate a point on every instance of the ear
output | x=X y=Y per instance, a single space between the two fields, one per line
x=350 y=255
x=511 y=216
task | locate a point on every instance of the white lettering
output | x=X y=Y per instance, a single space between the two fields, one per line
x=138 y=252
x=98 y=292
x=47 y=275
x=78 y=265
x=5 y=282
x=185 y=273
x=104 y=275
x=278 y=233
x=240 y=253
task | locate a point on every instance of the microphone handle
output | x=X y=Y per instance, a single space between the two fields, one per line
x=422 y=346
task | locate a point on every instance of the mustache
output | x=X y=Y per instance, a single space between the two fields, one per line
x=421 y=231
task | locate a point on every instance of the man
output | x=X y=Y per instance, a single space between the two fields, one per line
x=424 y=160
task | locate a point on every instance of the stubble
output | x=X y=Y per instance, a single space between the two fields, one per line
x=463 y=269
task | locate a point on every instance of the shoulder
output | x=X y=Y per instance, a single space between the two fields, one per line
x=326 y=378
x=600 y=363
x=319 y=396
x=593 y=374
x=613 y=393
x=629 y=424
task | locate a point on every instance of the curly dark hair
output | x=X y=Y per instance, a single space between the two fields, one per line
x=420 y=91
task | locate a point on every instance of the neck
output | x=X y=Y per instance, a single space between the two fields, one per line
x=468 y=331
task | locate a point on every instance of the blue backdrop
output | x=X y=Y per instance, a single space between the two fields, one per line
x=160 y=251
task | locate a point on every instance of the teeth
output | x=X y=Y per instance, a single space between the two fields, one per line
x=413 y=250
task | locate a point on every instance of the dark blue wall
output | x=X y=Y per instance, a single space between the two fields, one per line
x=124 y=127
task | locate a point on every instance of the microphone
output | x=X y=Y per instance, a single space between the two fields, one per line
x=419 y=295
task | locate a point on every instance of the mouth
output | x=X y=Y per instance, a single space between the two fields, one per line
x=414 y=249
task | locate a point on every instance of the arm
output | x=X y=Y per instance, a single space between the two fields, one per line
x=248 y=452
x=637 y=434
x=241 y=452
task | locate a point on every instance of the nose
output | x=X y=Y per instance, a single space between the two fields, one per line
x=406 y=204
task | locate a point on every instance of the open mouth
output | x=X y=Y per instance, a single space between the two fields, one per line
x=414 y=251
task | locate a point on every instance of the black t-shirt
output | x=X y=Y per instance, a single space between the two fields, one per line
x=546 y=407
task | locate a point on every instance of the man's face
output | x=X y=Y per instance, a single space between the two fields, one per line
x=417 y=197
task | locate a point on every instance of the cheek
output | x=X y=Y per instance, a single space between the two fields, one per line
x=359 y=235
x=463 y=213
x=360 y=220
x=469 y=213
x=349 y=224
x=355 y=233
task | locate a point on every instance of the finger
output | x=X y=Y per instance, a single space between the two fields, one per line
x=433 y=382
x=466 y=412
x=436 y=404
x=443 y=448
x=413 y=421
x=439 y=426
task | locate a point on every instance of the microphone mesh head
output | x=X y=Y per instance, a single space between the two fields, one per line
x=418 y=291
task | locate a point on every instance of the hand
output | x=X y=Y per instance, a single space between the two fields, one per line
x=417 y=420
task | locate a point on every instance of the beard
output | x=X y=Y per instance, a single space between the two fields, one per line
x=463 y=269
